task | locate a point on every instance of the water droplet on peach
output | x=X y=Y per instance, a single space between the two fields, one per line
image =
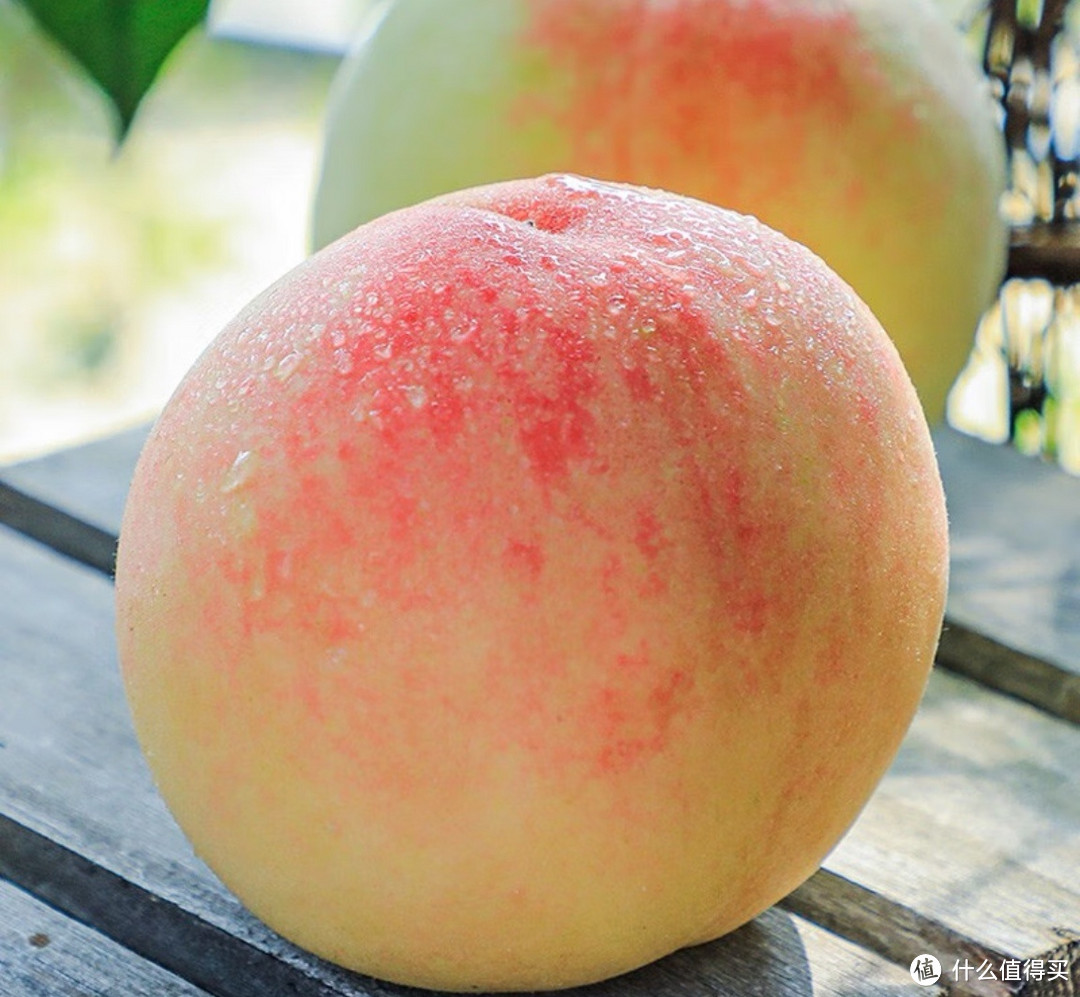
x=343 y=361
x=287 y=365
x=240 y=472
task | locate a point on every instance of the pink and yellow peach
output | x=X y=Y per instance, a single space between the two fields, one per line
x=534 y=582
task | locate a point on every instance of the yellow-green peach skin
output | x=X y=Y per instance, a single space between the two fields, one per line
x=860 y=128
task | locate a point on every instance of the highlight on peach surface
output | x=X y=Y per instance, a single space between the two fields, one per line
x=534 y=582
x=860 y=128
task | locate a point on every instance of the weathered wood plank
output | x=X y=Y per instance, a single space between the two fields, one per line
x=993 y=664
x=82 y=828
x=133 y=917
x=1015 y=572
x=57 y=529
x=893 y=930
x=45 y=954
x=977 y=828
x=88 y=481
x=73 y=500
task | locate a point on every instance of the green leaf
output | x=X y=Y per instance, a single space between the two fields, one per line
x=121 y=43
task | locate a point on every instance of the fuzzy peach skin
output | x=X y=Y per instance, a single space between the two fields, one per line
x=534 y=582
x=860 y=128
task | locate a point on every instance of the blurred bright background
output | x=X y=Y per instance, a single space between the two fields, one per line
x=119 y=264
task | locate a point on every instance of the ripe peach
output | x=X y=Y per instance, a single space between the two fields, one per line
x=857 y=127
x=534 y=582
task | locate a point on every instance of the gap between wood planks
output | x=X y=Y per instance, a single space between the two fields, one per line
x=146 y=924
x=58 y=530
x=1004 y=669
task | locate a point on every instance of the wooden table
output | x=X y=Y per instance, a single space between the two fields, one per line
x=969 y=851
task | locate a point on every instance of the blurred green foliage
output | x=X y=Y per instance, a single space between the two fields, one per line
x=118 y=262
x=122 y=44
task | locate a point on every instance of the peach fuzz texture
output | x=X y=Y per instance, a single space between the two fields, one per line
x=534 y=582
x=860 y=128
